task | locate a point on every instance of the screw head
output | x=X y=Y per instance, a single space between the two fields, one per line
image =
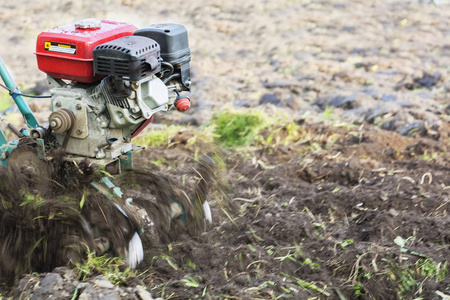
x=78 y=106
x=58 y=104
x=79 y=131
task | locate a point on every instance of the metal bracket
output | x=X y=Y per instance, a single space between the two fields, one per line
x=112 y=192
x=107 y=188
x=40 y=148
x=126 y=161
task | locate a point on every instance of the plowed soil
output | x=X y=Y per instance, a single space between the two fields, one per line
x=327 y=216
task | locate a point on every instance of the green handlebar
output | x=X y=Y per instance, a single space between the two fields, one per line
x=18 y=99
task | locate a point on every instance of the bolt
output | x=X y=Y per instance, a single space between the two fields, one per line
x=35 y=135
x=58 y=104
x=53 y=124
x=79 y=131
x=78 y=106
x=120 y=115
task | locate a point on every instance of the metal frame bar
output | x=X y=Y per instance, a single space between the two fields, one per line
x=18 y=99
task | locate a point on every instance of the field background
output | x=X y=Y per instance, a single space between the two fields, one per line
x=330 y=123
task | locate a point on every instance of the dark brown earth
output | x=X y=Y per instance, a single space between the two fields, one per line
x=323 y=216
x=369 y=186
x=317 y=217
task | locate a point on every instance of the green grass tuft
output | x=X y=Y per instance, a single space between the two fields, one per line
x=158 y=137
x=237 y=128
x=112 y=268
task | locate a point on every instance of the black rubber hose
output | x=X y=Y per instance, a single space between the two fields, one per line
x=173 y=76
x=23 y=95
x=169 y=66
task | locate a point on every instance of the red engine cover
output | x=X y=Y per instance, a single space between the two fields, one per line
x=65 y=52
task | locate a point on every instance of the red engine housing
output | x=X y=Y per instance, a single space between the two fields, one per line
x=65 y=52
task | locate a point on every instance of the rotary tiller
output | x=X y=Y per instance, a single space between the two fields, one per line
x=107 y=79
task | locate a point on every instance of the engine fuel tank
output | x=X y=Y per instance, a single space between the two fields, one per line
x=65 y=52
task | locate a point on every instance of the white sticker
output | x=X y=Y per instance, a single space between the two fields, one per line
x=60 y=48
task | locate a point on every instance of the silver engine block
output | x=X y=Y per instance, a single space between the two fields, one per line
x=92 y=121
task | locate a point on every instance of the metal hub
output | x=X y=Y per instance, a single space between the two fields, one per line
x=61 y=120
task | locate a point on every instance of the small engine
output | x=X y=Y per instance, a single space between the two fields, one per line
x=108 y=80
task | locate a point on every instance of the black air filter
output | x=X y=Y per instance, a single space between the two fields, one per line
x=173 y=39
x=131 y=58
